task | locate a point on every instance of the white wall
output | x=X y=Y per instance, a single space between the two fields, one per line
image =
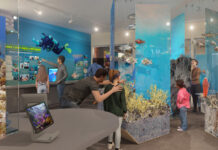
x=103 y=39
x=199 y=29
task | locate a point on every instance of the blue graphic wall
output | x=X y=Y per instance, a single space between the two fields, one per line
x=79 y=42
x=178 y=36
x=211 y=18
x=153 y=52
x=2 y=37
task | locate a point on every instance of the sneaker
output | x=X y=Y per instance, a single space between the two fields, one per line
x=110 y=145
x=178 y=127
x=118 y=149
x=180 y=130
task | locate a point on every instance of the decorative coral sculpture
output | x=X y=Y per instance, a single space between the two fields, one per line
x=139 y=107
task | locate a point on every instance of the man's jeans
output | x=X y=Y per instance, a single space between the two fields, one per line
x=64 y=103
x=60 y=89
x=183 y=118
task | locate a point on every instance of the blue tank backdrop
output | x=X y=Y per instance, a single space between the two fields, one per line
x=2 y=37
x=211 y=45
x=153 y=55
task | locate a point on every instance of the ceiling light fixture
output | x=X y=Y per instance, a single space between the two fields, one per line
x=15 y=17
x=38 y=12
x=191 y=27
x=70 y=21
x=127 y=34
x=96 y=29
x=168 y=23
x=211 y=20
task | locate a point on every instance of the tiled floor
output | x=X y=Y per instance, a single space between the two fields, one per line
x=193 y=139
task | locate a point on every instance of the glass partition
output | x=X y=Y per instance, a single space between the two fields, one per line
x=9 y=102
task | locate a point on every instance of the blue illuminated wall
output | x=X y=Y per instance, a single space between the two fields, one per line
x=212 y=55
x=178 y=36
x=79 y=42
x=202 y=64
x=151 y=28
x=2 y=37
x=112 y=30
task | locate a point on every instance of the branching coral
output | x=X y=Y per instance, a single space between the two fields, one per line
x=212 y=101
x=139 y=107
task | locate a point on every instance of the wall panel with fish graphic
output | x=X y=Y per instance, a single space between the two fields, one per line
x=211 y=35
x=41 y=40
x=152 y=48
x=2 y=77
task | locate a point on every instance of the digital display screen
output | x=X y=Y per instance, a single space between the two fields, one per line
x=39 y=117
x=52 y=74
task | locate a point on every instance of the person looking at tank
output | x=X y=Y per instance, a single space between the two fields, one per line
x=195 y=83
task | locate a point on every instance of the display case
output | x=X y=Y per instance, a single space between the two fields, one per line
x=148 y=88
x=211 y=101
x=9 y=34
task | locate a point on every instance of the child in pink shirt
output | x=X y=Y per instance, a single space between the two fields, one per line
x=183 y=103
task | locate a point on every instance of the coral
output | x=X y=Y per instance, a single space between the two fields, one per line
x=139 y=107
x=212 y=101
x=2 y=128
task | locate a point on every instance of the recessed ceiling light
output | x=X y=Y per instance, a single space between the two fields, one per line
x=168 y=23
x=38 y=12
x=126 y=34
x=70 y=21
x=96 y=29
x=15 y=17
x=211 y=20
x=191 y=27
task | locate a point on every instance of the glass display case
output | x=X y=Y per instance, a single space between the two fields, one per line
x=9 y=95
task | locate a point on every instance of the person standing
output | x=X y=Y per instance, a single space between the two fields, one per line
x=115 y=104
x=42 y=80
x=195 y=83
x=183 y=104
x=60 y=77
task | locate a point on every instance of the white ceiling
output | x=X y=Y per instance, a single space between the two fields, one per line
x=89 y=13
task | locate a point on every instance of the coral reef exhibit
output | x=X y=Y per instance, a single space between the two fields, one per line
x=2 y=99
x=146 y=118
x=180 y=69
x=211 y=115
x=138 y=107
